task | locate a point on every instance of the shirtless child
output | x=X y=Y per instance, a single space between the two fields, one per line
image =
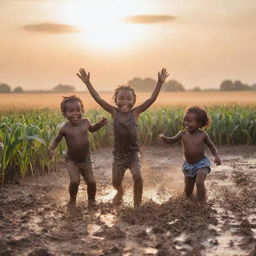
x=78 y=158
x=196 y=166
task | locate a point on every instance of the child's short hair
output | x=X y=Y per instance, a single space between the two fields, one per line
x=72 y=98
x=201 y=115
x=124 y=87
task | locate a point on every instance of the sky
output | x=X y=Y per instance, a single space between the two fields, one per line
x=201 y=43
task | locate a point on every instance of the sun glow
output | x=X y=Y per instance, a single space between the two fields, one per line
x=100 y=23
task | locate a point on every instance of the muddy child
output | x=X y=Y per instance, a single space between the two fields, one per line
x=78 y=158
x=196 y=166
x=125 y=116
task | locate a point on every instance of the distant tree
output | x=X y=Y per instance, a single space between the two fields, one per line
x=18 y=90
x=196 y=89
x=227 y=85
x=237 y=85
x=63 y=88
x=174 y=86
x=5 y=88
x=142 y=85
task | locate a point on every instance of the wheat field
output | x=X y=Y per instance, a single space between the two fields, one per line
x=28 y=101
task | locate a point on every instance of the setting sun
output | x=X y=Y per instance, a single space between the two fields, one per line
x=201 y=44
x=100 y=24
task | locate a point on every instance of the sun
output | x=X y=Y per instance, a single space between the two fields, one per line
x=100 y=24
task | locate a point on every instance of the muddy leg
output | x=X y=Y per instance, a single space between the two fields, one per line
x=91 y=191
x=189 y=186
x=73 y=189
x=200 y=178
x=89 y=179
x=74 y=176
x=91 y=188
x=118 y=170
x=138 y=182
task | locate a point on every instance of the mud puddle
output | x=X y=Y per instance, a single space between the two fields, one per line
x=34 y=219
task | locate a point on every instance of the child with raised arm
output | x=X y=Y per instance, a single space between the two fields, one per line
x=126 y=146
x=196 y=165
x=78 y=158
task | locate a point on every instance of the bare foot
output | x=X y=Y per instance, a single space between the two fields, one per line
x=71 y=204
x=92 y=204
x=137 y=204
x=118 y=199
x=201 y=200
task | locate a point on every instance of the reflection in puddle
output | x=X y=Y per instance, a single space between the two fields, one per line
x=225 y=244
x=230 y=240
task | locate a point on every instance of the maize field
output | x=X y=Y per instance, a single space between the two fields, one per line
x=25 y=136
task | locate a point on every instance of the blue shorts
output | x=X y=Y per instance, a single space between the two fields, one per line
x=190 y=170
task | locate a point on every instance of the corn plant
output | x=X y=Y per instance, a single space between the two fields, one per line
x=26 y=136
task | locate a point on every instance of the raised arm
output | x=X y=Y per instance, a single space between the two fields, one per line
x=55 y=143
x=146 y=104
x=85 y=77
x=213 y=149
x=95 y=127
x=171 y=140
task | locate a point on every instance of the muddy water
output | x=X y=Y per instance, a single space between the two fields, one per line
x=34 y=219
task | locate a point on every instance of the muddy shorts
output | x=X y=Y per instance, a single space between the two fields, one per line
x=85 y=169
x=132 y=162
x=190 y=170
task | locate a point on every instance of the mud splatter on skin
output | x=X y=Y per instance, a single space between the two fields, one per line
x=34 y=219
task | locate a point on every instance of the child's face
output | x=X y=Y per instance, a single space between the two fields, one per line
x=73 y=112
x=190 y=122
x=124 y=100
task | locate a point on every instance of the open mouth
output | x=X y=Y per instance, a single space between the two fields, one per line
x=75 y=119
x=124 y=108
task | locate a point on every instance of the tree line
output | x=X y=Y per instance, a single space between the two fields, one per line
x=140 y=85
x=5 y=88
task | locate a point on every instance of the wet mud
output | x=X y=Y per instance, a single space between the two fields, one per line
x=35 y=221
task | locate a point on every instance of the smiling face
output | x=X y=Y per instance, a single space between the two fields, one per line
x=190 y=122
x=125 y=100
x=73 y=111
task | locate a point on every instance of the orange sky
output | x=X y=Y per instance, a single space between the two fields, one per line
x=201 y=43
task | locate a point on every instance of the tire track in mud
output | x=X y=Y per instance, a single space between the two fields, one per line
x=34 y=219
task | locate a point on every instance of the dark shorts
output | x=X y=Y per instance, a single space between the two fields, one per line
x=133 y=162
x=125 y=162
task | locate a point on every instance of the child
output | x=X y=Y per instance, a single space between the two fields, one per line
x=126 y=146
x=78 y=158
x=196 y=165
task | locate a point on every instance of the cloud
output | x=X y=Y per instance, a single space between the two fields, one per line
x=53 y=28
x=148 y=19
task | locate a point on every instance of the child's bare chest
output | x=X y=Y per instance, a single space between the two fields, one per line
x=77 y=132
x=193 y=140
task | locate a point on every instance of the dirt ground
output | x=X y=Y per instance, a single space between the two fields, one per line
x=34 y=219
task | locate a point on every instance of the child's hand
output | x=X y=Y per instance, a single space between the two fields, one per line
x=217 y=160
x=85 y=77
x=161 y=137
x=103 y=121
x=50 y=154
x=162 y=75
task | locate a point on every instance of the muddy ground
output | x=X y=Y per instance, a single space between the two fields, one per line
x=34 y=219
